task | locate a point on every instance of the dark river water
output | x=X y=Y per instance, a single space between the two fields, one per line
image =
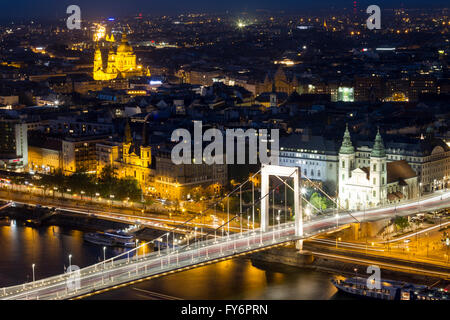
x=49 y=248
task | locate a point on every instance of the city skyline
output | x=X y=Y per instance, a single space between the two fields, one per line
x=50 y=10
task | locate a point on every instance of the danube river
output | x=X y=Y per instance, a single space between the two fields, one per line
x=49 y=249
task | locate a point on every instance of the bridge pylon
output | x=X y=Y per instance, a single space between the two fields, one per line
x=290 y=172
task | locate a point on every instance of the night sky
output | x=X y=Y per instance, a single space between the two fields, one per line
x=97 y=8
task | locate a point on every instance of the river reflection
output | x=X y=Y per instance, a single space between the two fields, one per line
x=48 y=248
x=233 y=279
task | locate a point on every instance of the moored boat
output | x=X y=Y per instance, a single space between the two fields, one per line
x=389 y=290
x=111 y=238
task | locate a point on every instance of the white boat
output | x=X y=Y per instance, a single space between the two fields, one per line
x=111 y=238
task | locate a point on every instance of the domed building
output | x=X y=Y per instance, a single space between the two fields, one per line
x=120 y=64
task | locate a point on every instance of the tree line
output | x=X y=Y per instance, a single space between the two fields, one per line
x=105 y=185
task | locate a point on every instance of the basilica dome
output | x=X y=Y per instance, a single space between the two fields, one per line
x=124 y=46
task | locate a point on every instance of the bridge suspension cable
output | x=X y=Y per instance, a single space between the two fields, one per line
x=333 y=200
x=253 y=203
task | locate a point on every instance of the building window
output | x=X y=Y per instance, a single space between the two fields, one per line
x=374 y=181
x=374 y=167
x=374 y=193
x=343 y=164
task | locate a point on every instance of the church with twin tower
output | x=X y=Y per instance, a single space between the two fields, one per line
x=381 y=183
x=121 y=62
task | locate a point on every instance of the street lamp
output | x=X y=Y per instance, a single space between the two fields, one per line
x=137 y=252
x=337 y=240
x=104 y=255
x=420 y=194
x=33 y=265
x=173 y=241
x=70 y=262
x=308 y=212
x=278 y=219
x=195 y=236
x=159 y=245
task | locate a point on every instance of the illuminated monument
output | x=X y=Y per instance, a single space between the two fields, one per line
x=120 y=64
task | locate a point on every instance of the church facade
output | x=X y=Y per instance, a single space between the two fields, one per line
x=380 y=183
x=121 y=63
x=136 y=159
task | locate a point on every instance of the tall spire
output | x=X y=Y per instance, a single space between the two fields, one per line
x=144 y=130
x=347 y=146
x=128 y=138
x=378 y=150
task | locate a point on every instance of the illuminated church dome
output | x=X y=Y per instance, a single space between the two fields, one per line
x=124 y=47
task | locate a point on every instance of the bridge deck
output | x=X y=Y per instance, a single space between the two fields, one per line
x=124 y=269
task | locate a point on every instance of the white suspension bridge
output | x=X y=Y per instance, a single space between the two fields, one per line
x=138 y=265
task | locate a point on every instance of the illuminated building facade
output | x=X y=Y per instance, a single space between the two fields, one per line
x=380 y=183
x=44 y=155
x=280 y=82
x=108 y=154
x=120 y=64
x=127 y=158
x=346 y=94
x=178 y=182
x=79 y=154
x=135 y=163
x=13 y=143
x=315 y=155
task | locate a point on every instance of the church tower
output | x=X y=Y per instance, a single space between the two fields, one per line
x=98 y=62
x=128 y=139
x=111 y=67
x=378 y=171
x=346 y=163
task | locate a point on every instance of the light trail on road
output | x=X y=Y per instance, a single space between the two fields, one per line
x=114 y=273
